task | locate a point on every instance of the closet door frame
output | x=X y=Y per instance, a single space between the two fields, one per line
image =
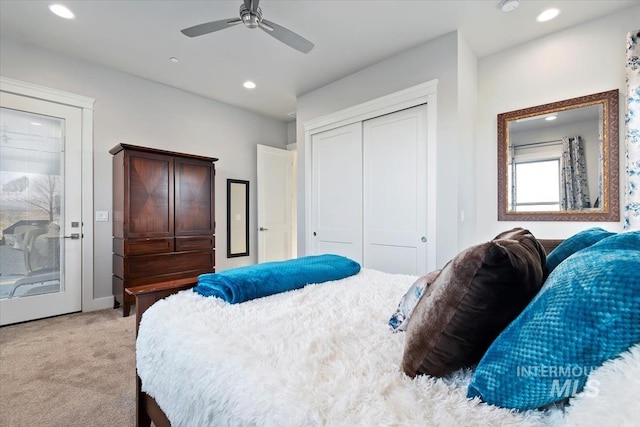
x=425 y=93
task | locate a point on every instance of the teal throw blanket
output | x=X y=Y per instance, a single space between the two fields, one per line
x=260 y=280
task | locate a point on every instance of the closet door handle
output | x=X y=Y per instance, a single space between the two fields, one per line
x=263 y=229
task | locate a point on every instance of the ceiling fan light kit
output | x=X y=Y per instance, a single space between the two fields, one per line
x=251 y=17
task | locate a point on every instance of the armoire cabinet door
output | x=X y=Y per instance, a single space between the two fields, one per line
x=194 y=202
x=150 y=201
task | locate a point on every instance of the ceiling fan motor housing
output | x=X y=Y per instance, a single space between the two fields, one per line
x=250 y=19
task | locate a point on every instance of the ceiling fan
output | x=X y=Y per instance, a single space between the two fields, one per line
x=251 y=17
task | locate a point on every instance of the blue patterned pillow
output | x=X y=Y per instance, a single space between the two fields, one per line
x=400 y=319
x=573 y=244
x=587 y=312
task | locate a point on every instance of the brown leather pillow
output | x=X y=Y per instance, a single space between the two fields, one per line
x=476 y=295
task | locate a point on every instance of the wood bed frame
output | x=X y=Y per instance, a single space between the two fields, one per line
x=147 y=409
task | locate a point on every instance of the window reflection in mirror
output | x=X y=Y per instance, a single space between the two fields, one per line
x=538 y=186
x=559 y=161
x=541 y=175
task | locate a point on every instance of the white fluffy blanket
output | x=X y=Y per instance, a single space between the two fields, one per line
x=324 y=356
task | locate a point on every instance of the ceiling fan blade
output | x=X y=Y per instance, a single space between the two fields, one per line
x=287 y=37
x=210 y=27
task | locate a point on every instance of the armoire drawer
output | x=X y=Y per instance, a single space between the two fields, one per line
x=143 y=246
x=140 y=281
x=132 y=267
x=194 y=243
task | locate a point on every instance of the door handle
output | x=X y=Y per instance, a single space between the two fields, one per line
x=263 y=229
x=74 y=236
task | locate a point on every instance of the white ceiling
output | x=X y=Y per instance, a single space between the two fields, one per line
x=139 y=37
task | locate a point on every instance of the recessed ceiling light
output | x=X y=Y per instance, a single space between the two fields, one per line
x=61 y=11
x=548 y=15
x=249 y=84
x=549 y=118
x=173 y=59
x=509 y=5
x=35 y=124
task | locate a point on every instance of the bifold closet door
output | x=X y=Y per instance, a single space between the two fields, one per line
x=395 y=192
x=337 y=191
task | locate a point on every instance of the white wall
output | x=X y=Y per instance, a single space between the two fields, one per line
x=467 y=117
x=437 y=59
x=140 y=112
x=585 y=59
x=291 y=132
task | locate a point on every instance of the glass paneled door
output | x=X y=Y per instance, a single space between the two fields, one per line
x=40 y=208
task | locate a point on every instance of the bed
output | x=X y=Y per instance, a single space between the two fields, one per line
x=323 y=355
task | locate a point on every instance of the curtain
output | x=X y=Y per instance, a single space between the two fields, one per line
x=597 y=203
x=573 y=176
x=632 y=135
x=512 y=178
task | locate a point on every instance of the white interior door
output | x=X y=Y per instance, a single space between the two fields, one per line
x=40 y=191
x=395 y=192
x=337 y=191
x=275 y=195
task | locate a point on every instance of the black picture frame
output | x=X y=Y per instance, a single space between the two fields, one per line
x=237 y=218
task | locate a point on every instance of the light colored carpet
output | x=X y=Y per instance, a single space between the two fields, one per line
x=72 y=370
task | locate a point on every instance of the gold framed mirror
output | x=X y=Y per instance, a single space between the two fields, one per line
x=559 y=161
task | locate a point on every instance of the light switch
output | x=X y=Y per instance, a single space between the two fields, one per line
x=102 y=216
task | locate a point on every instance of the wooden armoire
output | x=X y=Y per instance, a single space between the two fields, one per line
x=163 y=218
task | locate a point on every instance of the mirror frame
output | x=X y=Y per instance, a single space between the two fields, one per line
x=237 y=211
x=610 y=208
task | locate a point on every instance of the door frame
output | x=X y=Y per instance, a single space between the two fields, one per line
x=86 y=104
x=424 y=93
